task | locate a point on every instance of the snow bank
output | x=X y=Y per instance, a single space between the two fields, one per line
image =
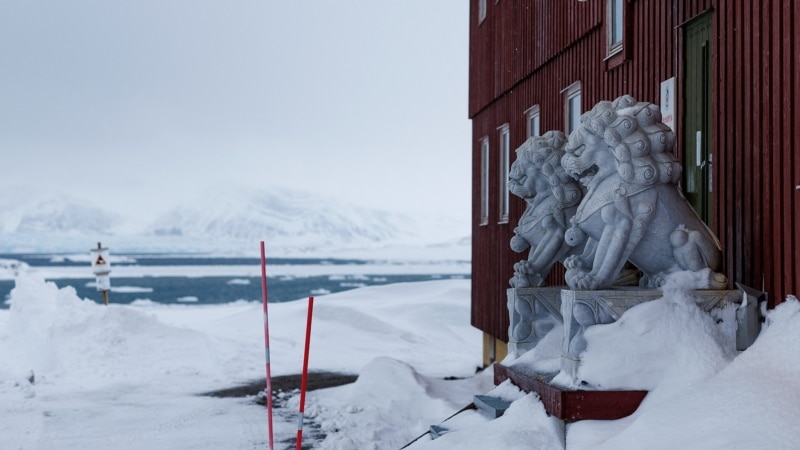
x=78 y=375
x=525 y=425
x=703 y=394
x=667 y=341
x=63 y=339
x=754 y=402
x=388 y=406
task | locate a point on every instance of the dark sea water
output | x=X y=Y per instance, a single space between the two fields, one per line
x=194 y=290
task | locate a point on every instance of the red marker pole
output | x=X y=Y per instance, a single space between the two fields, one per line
x=266 y=344
x=305 y=375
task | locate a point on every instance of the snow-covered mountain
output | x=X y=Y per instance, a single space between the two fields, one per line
x=278 y=214
x=32 y=212
x=223 y=220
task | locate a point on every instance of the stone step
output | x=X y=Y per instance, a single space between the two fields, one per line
x=438 y=431
x=491 y=407
x=572 y=404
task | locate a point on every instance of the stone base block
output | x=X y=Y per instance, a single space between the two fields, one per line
x=532 y=313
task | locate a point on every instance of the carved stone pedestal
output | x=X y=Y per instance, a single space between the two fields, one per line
x=582 y=309
x=533 y=312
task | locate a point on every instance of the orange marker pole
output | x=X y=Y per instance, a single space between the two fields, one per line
x=305 y=375
x=268 y=392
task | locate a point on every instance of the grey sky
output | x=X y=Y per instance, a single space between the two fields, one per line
x=137 y=101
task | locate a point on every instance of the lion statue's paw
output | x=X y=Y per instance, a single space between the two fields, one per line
x=576 y=262
x=525 y=275
x=582 y=281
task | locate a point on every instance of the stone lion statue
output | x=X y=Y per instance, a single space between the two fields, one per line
x=552 y=197
x=633 y=208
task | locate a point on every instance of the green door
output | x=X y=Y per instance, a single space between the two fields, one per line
x=697 y=159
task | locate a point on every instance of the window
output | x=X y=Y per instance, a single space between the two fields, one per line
x=484 y=181
x=505 y=143
x=614 y=25
x=619 y=29
x=481 y=10
x=572 y=108
x=533 y=121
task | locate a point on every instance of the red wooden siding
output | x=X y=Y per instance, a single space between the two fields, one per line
x=526 y=51
x=755 y=129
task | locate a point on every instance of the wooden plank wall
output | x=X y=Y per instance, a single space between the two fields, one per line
x=519 y=36
x=756 y=104
x=527 y=51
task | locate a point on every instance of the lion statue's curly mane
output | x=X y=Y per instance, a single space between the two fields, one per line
x=640 y=142
x=633 y=208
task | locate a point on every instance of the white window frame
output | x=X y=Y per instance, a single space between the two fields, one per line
x=534 y=121
x=504 y=145
x=481 y=11
x=573 y=95
x=484 y=218
x=615 y=25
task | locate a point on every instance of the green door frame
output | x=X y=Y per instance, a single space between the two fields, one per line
x=697 y=138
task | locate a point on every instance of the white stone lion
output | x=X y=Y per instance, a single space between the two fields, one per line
x=633 y=208
x=552 y=197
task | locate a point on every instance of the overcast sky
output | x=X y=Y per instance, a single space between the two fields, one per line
x=136 y=102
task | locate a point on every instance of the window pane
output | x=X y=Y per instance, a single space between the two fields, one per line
x=533 y=127
x=484 y=180
x=574 y=113
x=616 y=21
x=504 y=157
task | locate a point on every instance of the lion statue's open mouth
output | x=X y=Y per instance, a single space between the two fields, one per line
x=586 y=176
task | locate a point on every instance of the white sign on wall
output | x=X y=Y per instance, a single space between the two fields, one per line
x=668 y=102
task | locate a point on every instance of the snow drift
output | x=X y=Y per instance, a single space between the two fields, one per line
x=78 y=375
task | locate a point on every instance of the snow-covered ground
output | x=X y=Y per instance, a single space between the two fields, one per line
x=78 y=375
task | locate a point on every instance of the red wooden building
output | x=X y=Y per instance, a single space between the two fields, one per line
x=730 y=71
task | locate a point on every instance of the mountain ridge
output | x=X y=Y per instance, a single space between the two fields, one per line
x=223 y=220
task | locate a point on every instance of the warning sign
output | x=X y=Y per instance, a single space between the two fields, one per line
x=101 y=265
